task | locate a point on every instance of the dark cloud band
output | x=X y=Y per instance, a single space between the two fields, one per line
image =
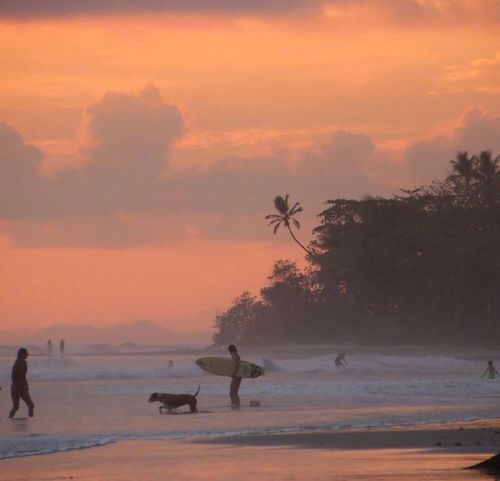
x=28 y=9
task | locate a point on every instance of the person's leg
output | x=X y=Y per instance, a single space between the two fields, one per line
x=233 y=391
x=237 y=397
x=14 y=393
x=25 y=396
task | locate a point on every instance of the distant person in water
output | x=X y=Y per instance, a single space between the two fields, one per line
x=340 y=360
x=19 y=388
x=490 y=371
x=235 y=381
x=170 y=363
x=61 y=348
x=49 y=348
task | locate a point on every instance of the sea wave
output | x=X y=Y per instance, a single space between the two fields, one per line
x=370 y=362
x=82 y=368
x=104 y=368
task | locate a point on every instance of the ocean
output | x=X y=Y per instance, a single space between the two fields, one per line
x=97 y=397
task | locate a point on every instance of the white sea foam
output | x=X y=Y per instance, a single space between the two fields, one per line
x=83 y=368
x=371 y=362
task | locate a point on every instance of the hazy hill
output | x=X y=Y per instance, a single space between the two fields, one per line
x=139 y=332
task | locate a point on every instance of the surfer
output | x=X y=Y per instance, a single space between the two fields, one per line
x=235 y=381
x=19 y=387
x=490 y=371
x=340 y=360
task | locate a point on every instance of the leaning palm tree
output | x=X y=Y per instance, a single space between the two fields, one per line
x=285 y=216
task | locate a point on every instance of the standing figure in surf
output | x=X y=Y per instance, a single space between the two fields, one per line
x=49 y=348
x=235 y=381
x=490 y=371
x=19 y=387
x=61 y=348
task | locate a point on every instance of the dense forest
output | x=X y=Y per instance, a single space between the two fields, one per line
x=420 y=267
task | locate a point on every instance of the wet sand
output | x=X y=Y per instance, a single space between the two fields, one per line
x=471 y=436
x=404 y=453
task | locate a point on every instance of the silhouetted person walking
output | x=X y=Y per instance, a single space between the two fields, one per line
x=19 y=387
x=61 y=348
x=49 y=348
x=235 y=381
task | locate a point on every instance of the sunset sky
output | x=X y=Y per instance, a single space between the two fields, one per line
x=142 y=143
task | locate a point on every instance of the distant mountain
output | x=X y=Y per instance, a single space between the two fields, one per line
x=138 y=332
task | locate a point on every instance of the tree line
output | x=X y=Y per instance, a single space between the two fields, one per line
x=422 y=266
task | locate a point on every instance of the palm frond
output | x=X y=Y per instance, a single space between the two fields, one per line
x=281 y=204
x=296 y=209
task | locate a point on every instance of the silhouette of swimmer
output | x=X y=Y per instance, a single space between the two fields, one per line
x=340 y=360
x=19 y=387
x=490 y=371
x=61 y=348
x=49 y=347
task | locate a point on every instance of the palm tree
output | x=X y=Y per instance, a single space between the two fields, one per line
x=463 y=169
x=487 y=165
x=487 y=173
x=285 y=216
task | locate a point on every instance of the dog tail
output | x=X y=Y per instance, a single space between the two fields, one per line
x=197 y=391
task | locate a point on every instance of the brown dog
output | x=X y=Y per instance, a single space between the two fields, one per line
x=174 y=401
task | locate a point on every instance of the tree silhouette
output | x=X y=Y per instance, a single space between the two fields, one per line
x=463 y=171
x=286 y=216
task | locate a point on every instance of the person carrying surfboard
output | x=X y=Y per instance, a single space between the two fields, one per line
x=235 y=381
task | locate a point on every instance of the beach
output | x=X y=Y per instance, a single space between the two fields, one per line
x=406 y=453
x=410 y=413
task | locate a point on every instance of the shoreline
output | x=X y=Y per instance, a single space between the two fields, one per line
x=407 y=453
x=473 y=436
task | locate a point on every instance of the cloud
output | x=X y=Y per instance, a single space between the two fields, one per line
x=480 y=75
x=126 y=193
x=475 y=131
x=416 y=12
x=111 y=230
x=28 y=9
x=403 y=12
x=130 y=139
x=19 y=173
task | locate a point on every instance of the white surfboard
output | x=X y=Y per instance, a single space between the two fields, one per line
x=224 y=366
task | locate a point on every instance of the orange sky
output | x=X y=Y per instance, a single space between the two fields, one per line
x=141 y=149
